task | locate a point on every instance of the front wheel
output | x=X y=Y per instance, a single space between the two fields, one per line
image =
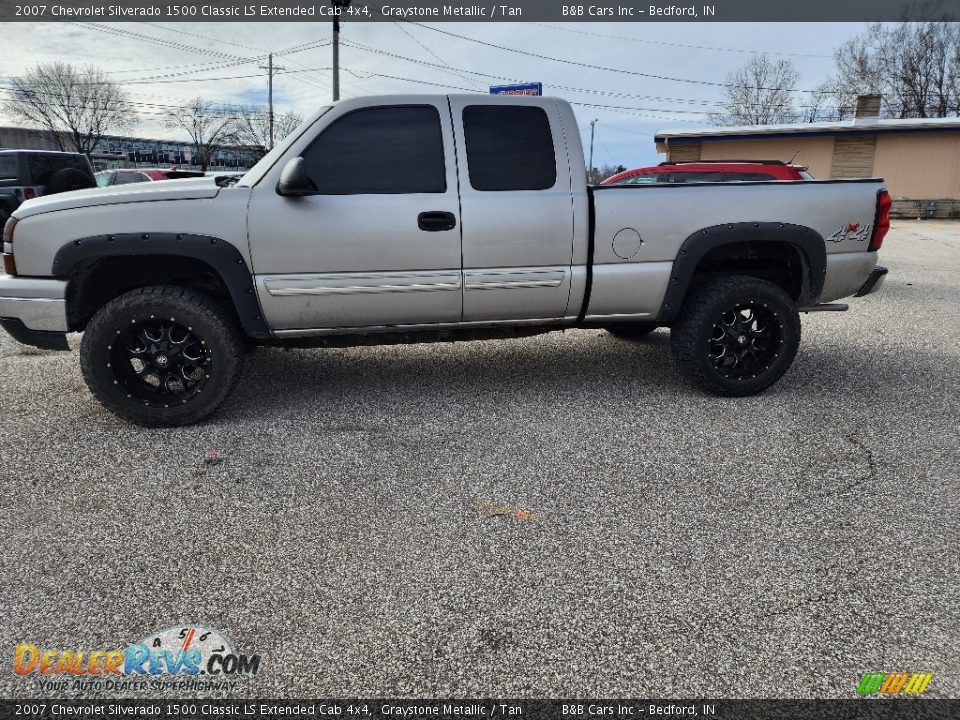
x=736 y=335
x=161 y=356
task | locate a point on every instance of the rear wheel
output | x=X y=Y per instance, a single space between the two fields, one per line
x=631 y=331
x=736 y=335
x=162 y=355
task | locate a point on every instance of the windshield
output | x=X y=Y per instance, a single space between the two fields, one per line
x=257 y=172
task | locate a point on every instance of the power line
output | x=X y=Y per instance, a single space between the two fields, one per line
x=590 y=66
x=631 y=110
x=120 y=32
x=228 y=107
x=206 y=37
x=570 y=88
x=437 y=57
x=624 y=130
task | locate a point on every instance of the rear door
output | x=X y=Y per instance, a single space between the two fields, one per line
x=516 y=208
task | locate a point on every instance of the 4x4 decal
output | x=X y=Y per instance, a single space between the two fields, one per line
x=853 y=231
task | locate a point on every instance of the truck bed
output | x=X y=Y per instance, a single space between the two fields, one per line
x=639 y=232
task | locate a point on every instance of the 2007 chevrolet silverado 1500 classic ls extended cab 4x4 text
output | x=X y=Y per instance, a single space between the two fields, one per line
x=415 y=218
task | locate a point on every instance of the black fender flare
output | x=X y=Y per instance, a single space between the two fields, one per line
x=808 y=242
x=225 y=259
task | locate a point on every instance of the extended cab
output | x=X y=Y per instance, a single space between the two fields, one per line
x=416 y=218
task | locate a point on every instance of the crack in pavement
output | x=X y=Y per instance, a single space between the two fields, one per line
x=871 y=474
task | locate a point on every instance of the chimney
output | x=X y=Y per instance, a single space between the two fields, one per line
x=867 y=109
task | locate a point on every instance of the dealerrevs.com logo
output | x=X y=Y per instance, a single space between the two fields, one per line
x=180 y=658
x=895 y=683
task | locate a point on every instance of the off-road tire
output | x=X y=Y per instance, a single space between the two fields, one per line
x=67 y=179
x=697 y=352
x=219 y=351
x=631 y=331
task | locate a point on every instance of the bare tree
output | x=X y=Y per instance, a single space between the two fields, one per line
x=76 y=106
x=252 y=128
x=209 y=125
x=821 y=105
x=915 y=66
x=759 y=93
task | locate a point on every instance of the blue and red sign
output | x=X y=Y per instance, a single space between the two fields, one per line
x=521 y=89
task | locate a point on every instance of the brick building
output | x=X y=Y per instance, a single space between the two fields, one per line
x=919 y=158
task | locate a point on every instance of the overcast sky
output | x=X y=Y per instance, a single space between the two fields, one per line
x=166 y=64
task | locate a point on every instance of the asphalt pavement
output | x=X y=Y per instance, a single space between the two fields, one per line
x=555 y=516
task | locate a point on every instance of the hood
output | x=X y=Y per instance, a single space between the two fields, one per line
x=187 y=189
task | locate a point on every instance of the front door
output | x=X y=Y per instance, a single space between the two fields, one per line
x=378 y=243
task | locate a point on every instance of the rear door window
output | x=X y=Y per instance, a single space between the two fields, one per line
x=509 y=148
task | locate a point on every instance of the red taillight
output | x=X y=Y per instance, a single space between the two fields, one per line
x=29 y=193
x=9 y=266
x=8 y=230
x=881 y=223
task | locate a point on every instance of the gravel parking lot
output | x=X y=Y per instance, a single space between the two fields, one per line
x=358 y=525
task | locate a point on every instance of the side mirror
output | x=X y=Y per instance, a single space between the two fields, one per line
x=294 y=180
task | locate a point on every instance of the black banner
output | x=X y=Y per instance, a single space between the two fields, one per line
x=469 y=10
x=439 y=709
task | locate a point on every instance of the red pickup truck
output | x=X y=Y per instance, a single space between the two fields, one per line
x=711 y=171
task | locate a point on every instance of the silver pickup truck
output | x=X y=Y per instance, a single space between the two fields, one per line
x=418 y=218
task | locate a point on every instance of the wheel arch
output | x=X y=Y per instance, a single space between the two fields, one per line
x=102 y=267
x=793 y=256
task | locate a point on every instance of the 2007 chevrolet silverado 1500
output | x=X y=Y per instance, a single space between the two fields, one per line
x=415 y=218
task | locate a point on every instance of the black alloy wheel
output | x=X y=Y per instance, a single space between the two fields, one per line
x=736 y=335
x=160 y=361
x=746 y=340
x=162 y=356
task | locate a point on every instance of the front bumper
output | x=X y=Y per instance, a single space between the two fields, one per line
x=874 y=282
x=34 y=310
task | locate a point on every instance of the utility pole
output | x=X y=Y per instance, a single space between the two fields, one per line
x=592 y=123
x=336 y=59
x=338 y=6
x=270 y=71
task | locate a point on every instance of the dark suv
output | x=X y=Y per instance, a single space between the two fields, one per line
x=26 y=174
